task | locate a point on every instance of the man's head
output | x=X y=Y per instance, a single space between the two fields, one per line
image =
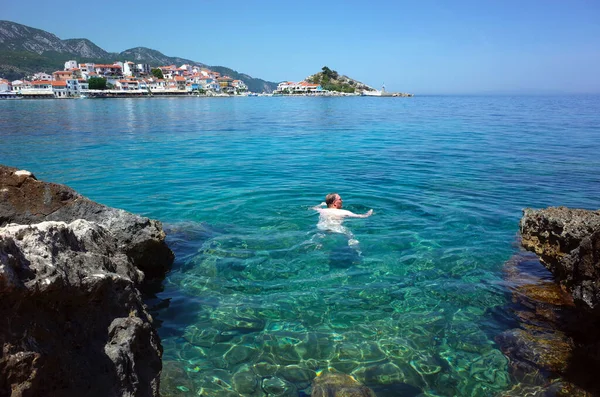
x=333 y=200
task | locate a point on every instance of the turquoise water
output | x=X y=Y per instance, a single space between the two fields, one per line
x=259 y=300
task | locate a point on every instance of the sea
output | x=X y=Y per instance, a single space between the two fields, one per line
x=259 y=300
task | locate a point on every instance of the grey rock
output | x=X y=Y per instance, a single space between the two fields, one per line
x=71 y=320
x=25 y=200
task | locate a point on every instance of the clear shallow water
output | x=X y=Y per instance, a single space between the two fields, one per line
x=258 y=300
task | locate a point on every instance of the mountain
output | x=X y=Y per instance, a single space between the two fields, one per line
x=332 y=81
x=153 y=57
x=25 y=50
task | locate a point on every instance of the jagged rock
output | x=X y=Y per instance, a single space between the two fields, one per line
x=71 y=320
x=568 y=244
x=25 y=200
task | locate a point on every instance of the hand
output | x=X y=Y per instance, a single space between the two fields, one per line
x=369 y=212
x=323 y=203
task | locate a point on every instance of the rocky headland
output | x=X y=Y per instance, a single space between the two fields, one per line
x=72 y=320
x=558 y=309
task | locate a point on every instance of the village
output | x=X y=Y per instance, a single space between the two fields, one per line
x=123 y=79
x=127 y=79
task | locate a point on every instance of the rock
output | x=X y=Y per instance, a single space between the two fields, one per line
x=25 y=200
x=71 y=320
x=339 y=385
x=568 y=244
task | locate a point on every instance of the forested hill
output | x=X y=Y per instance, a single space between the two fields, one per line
x=332 y=81
x=25 y=50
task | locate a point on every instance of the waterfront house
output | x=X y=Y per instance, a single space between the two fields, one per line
x=180 y=82
x=59 y=89
x=306 y=87
x=303 y=87
x=157 y=84
x=17 y=85
x=36 y=89
x=225 y=81
x=239 y=85
x=76 y=87
x=127 y=84
x=285 y=86
x=143 y=84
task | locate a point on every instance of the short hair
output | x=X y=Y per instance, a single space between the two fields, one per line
x=330 y=198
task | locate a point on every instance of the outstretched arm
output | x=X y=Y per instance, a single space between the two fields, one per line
x=365 y=215
x=318 y=207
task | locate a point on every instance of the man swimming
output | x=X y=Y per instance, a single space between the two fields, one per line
x=331 y=218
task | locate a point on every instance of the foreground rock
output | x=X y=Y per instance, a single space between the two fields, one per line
x=72 y=321
x=568 y=244
x=25 y=200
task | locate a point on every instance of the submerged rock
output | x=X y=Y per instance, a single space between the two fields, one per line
x=339 y=385
x=72 y=321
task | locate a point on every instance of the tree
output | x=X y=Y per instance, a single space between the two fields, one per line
x=331 y=74
x=158 y=73
x=97 y=83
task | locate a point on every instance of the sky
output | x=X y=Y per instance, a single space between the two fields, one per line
x=422 y=47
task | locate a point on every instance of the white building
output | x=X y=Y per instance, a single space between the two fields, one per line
x=17 y=85
x=239 y=85
x=36 y=89
x=143 y=69
x=76 y=87
x=70 y=65
x=42 y=76
x=128 y=69
x=87 y=69
x=127 y=85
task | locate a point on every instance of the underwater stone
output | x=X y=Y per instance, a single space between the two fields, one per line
x=397 y=348
x=201 y=337
x=265 y=369
x=278 y=387
x=296 y=373
x=339 y=385
x=238 y=354
x=245 y=381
